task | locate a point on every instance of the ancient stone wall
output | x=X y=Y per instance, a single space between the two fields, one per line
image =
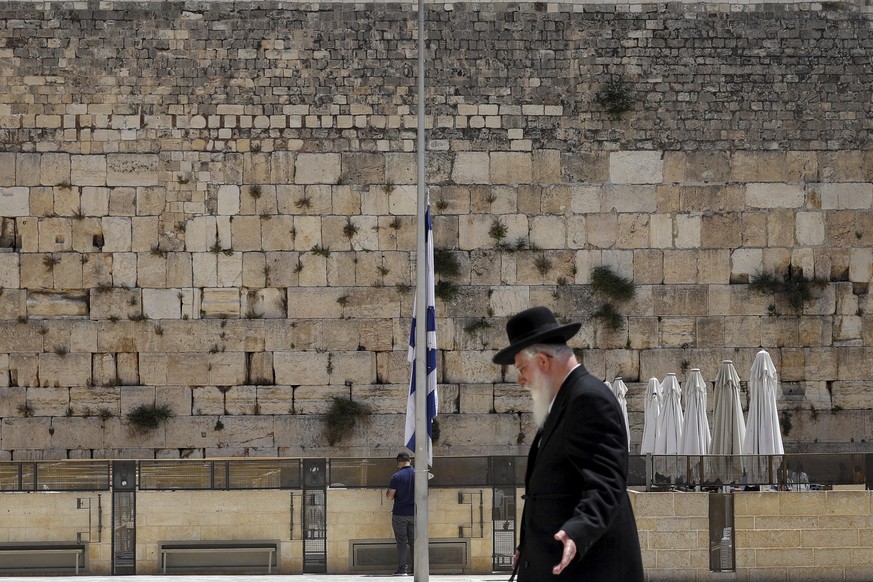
x=209 y=207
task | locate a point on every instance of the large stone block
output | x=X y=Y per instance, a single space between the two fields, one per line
x=132 y=170
x=54 y=169
x=471 y=168
x=301 y=368
x=636 y=167
x=317 y=168
x=88 y=170
x=511 y=168
x=846 y=196
x=15 y=201
x=773 y=195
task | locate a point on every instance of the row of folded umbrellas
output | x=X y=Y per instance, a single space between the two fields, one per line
x=670 y=430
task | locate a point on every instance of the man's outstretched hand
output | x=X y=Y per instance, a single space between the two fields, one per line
x=568 y=554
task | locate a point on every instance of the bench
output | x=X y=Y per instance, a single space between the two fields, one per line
x=219 y=554
x=41 y=556
x=446 y=555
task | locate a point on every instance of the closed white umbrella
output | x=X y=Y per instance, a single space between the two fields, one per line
x=728 y=425
x=652 y=412
x=763 y=436
x=695 y=430
x=619 y=388
x=670 y=421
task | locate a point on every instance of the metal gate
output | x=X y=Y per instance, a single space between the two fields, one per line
x=502 y=475
x=314 y=516
x=123 y=518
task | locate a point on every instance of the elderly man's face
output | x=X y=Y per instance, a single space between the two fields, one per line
x=532 y=376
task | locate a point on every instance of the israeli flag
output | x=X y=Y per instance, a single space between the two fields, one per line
x=431 y=353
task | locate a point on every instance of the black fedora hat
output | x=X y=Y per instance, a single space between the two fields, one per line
x=536 y=325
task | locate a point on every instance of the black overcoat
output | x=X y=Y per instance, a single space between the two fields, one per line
x=576 y=481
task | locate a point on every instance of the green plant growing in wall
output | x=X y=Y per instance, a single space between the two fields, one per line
x=350 y=229
x=795 y=287
x=498 y=231
x=148 y=417
x=615 y=96
x=342 y=416
x=612 y=288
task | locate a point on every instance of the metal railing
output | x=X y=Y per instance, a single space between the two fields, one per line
x=796 y=471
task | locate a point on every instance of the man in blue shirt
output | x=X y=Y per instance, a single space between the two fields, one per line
x=401 y=489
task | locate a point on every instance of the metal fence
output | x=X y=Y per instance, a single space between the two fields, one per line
x=653 y=472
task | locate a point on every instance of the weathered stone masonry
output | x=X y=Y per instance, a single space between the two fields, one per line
x=210 y=205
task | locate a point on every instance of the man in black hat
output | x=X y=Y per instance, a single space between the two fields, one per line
x=578 y=523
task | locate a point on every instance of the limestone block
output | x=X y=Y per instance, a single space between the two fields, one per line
x=180 y=270
x=771 y=195
x=94 y=201
x=757 y=166
x=113 y=302
x=7 y=169
x=636 y=167
x=15 y=201
x=402 y=200
x=661 y=230
x=317 y=168
x=26 y=433
x=54 y=169
x=55 y=235
x=471 y=168
x=546 y=167
x=713 y=266
x=477 y=399
x=687 y=300
x=810 y=229
x=276 y=233
x=24 y=369
x=633 y=231
x=274 y=399
x=688 y=231
x=217 y=302
x=465 y=431
x=301 y=368
x=401 y=168
x=12 y=398
x=127 y=365
x=95 y=401
x=352 y=367
x=197 y=432
x=205 y=270
x=122 y=201
x=27 y=169
x=307 y=232
x=208 y=400
x=88 y=170
x=229 y=269
x=227 y=368
x=239 y=399
x=548 y=232
x=312 y=270
x=246 y=233
x=282 y=167
x=511 y=168
x=228 y=199
x=363 y=168
x=846 y=196
x=117 y=234
x=860 y=265
x=9 y=265
x=680 y=266
x=47 y=401
x=132 y=169
x=629 y=198
x=103 y=371
x=161 y=303
x=57 y=304
x=78 y=432
x=470 y=366
x=745 y=263
x=187 y=369
x=602 y=230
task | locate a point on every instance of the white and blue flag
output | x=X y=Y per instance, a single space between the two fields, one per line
x=430 y=317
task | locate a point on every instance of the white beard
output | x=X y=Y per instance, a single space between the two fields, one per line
x=539 y=392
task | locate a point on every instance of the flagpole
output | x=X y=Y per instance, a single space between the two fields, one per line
x=421 y=557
